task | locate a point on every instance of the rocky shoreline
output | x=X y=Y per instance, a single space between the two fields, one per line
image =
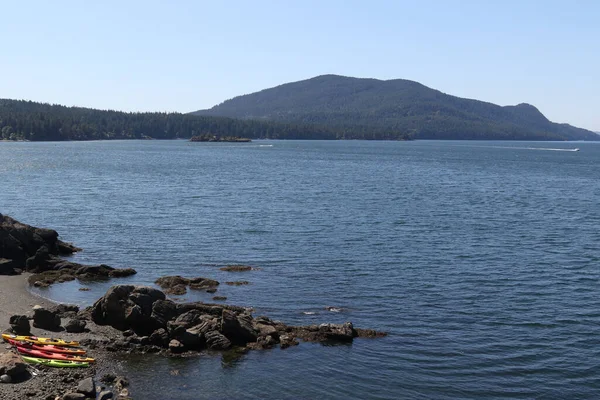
x=134 y=319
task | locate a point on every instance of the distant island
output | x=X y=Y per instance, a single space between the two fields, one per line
x=327 y=107
x=215 y=138
x=395 y=106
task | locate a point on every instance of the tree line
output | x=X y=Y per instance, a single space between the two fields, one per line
x=27 y=120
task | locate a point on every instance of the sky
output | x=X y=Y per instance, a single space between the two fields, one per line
x=185 y=55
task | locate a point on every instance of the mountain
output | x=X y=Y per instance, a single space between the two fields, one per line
x=393 y=108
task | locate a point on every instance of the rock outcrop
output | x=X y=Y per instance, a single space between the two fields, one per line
x=147 y=318
x=38 y=250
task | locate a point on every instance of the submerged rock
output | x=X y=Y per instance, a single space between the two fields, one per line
x=177 y=285
x=237 y=268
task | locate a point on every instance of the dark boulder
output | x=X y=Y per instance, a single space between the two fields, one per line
x=19 y=324
x=39 y=261
x=217 y=341
x=176 y=346
x=45 y=319
x=87 y=387
x=188 y=319
x=66 y=310
x=119 y=309
x=162 y=312
x=12 y=365
x=75 y=326
x=237 y=328
x=160 y=337
x=7 y=267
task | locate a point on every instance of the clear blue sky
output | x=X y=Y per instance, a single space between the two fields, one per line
x=188 y=55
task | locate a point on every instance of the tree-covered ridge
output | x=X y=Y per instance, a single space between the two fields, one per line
x=27 y=120
x=399 y=106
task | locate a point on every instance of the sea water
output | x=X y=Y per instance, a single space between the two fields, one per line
x=481 y=259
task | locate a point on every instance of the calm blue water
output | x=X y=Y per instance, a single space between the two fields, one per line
x=482 y=259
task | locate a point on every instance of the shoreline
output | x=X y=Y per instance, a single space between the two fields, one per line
x=15 y=299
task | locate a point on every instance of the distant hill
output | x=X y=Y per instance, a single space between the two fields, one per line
x=27 y=120
x=394 y=108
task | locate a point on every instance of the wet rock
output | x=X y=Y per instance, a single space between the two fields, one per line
x=220 y=298
x=237 y=268
x=237 y=283
x=105 y=395
x=176 y=290
x=177 y=285
x=122 y=273
x=175 y=346
x=12 y=365
x=120 y=383
x=343 y=332
x=75 y=326
x=20 y=325
x=202 y=283
x=46 y=319
x=287 y=341
x=160 y=337
x=237 y=328
x=5 y=379
x=369 y=333
x=216 y=341
x=191 y=339
x=87 y=387
x=211 y=290
x=166 y=282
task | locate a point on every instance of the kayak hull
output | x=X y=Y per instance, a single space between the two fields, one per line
x=52 y=356
x=55 y=363
x=50 y=348
x=40 y=340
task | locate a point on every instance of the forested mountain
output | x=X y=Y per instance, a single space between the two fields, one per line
x=398 y=107
x=26 y=120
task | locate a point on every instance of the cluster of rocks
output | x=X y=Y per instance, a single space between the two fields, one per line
x=50 y=320
x=88 y=389
x=150 y=323
x=38 y=250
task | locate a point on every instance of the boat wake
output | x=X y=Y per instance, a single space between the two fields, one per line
x=551 y=149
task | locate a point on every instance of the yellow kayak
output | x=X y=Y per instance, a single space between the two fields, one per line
x=40 y=340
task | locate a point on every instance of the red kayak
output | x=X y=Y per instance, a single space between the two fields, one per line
x=46 y=347
x=52 y=356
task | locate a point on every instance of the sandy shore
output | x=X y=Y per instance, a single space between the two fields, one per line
x=15 y=298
